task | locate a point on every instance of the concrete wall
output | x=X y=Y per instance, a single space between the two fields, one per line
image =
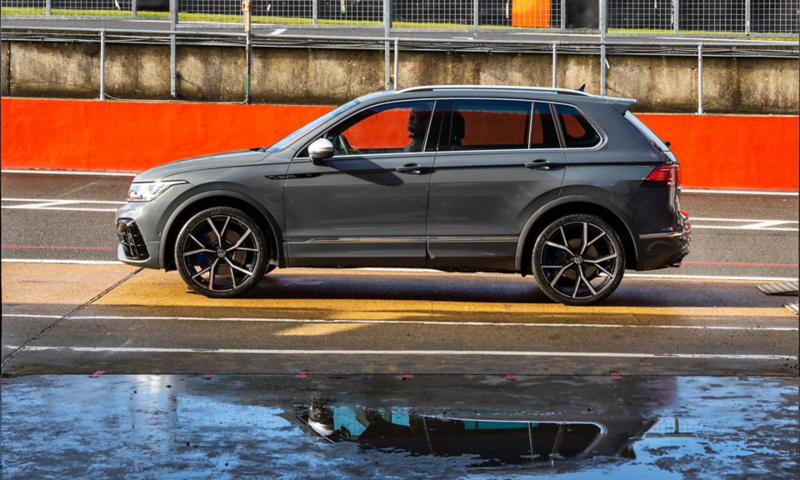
x=332 y=77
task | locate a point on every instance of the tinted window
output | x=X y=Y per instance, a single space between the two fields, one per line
x=487 y=125
x=392 y=128
x=578 y=132
x=543 y=131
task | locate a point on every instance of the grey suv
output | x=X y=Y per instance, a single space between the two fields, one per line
x=569 y=187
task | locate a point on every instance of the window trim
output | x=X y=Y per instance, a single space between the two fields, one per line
x=558 y=132
x=600 y=132
x=346 y=157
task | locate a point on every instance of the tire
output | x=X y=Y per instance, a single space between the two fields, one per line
x=221 y=272
x=577 y=268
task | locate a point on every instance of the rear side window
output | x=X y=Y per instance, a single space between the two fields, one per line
x=487 y=125
x=578 y=132
x=543 y=131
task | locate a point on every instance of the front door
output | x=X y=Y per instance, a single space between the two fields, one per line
x=367 y=205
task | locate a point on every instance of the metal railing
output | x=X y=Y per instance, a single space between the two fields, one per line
x=698 y=49
x=669 y=18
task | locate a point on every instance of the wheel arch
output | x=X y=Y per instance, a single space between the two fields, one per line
x=571 y=205
x=218 y=198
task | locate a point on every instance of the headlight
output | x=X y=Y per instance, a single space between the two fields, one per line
x=144 y=192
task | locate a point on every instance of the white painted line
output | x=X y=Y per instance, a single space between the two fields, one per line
x=743 y=220
x=747 y=227
x=402 y=322
x=76 y=209
x=278 y=31
x=710 y=277
x=69 y=172
x=77 y=262
x=739 y=192
x=405 y=352
x=61 y=200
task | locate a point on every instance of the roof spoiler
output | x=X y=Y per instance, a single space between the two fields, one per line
x=621 y=104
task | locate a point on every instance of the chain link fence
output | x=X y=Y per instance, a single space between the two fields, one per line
x=613 y=17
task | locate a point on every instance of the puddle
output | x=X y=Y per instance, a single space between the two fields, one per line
x=230 y=426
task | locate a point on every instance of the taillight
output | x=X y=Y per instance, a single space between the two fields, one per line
x=664 y=176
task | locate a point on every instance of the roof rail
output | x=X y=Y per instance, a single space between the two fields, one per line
x=494 y=87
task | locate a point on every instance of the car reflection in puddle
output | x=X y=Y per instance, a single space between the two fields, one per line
x=491 y=441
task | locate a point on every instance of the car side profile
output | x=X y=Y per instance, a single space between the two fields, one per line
x=566 y=186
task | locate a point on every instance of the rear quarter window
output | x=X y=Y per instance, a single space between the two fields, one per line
x=578 y=132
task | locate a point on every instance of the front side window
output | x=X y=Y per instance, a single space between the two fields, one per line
x=392 y=128
x=305 y=129
x=578 y=132
x=487 y=125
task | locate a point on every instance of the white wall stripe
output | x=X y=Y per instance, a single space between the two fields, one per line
x=404 y=352
x=44 y=209
x=401 y=322
x=691 y=219
x=57 y=261
x=738 y=192
x=62 y=200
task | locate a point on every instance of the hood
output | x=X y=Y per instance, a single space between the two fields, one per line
x=220 y=160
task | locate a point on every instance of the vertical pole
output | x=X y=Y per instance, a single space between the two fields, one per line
x=700 y=79
x=602 y=69
x=102 y=64
x=476 y=15
x=173 y=14
x=386 y=73
x=173 y=70
x=676 y=16
x=555 y=65
x=396 y=61
x=563 y=14
x=49 y=6
x=315 y=11
x=387 y=17
x=747 y=17
x=133 y=8
x=248 y=48
x=603 y=20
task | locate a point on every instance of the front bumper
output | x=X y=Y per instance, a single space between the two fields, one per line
x=661 y=250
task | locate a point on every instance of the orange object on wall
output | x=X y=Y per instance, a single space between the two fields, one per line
x=715 y=151
x=738 y=152
x=530 y=13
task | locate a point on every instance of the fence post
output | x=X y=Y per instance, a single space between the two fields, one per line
x=315 y=11
x=102 y=64
x=700 y=79
x=603 y=21
x=386 y=73
x=747 y=17
x=173 y=14
x=476 y=15
x=396 y=61
x=603 y=69
x=555 y=65
x=49 y=6
x=133 y=8
x=387 y=17
x=676 y=16
x=563 y=14
x=173 y=70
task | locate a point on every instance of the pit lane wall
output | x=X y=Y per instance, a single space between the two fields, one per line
x=752 y=152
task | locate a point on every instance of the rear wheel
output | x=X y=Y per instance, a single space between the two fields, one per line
x=221 y=253
x=578 y=260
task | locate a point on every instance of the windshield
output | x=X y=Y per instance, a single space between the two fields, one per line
x=292 y=137
x=648 y=134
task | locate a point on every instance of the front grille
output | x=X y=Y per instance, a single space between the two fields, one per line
x=131 y=240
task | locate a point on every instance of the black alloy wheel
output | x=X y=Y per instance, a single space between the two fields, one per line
x=578 y=260
x=221 y=253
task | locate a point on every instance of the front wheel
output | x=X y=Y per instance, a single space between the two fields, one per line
x=578 y=260
x=221 y=253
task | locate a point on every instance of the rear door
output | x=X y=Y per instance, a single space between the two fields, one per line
x=497 y=160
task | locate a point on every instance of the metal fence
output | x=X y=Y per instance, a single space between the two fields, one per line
x=708 y=18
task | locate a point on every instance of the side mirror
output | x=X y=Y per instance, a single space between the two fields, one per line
x=321 y=149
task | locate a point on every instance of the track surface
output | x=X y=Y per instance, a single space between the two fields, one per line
x=345 y=322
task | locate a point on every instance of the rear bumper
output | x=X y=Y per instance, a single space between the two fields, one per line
x=661 y=250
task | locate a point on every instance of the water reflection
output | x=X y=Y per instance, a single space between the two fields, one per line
x=491 y=441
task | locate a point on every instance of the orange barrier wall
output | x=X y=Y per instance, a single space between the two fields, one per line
x=738 y=152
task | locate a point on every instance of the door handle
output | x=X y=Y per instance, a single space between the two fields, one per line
x=538 y=164
x=409 y=167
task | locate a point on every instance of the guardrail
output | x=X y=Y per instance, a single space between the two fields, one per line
x=698 y=49
x=669 y=18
